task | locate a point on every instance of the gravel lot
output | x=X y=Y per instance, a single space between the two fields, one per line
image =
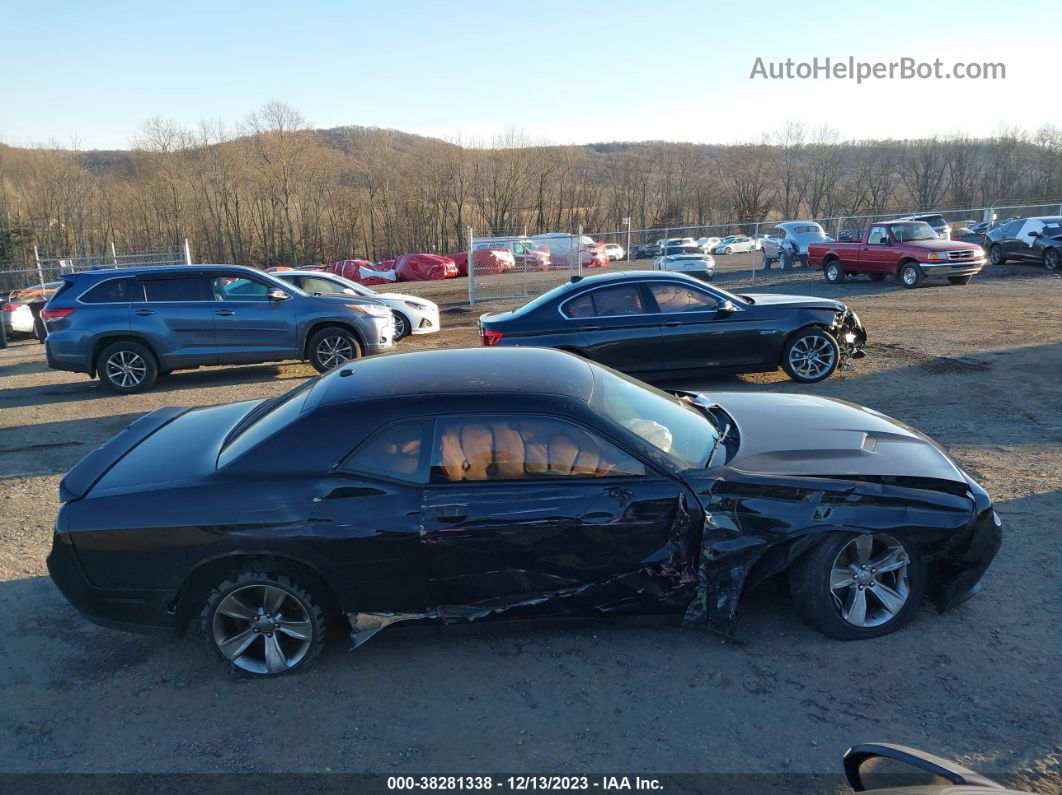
x=976 y=367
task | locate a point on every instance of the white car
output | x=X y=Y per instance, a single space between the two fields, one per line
x=18 y=318
x=707 y=243
x=689 y=259
x=758 y=240
x=734 y=244
x=614 y=251
x=413 y=315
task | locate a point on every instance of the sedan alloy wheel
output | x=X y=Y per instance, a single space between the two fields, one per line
x=812 y=357
x=868 y=580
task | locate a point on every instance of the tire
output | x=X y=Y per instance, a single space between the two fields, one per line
x=910 y=275
x=786 y=259
x=833 y=271
x=728 y=250
x=126 y=367
x=766 y=262
x=995 y=254
x=811 y=355
x=876 y=277
x=331 y=347
x=256 y=604
x=1052 y=260
x=959 y=279
x=402 y=326
x=889 y=599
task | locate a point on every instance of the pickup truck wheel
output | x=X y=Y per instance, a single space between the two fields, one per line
x=126 y=367
x=332 y=347
x=833 y=272
x=859 y=586
x=910 y=275
x=876 y=277
x=995 y=254
x=1051 y=259
x=786 y=259
x=959 y=279
x=810 y=356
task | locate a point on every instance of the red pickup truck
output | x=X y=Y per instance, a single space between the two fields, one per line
x=909 y=250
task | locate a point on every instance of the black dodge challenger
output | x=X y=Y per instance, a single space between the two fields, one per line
x=474 y=484
x=659 y=325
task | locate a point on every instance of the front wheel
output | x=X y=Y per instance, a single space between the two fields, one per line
x=810 y=356
x=786 y=260
x=959 y=279
x=833 y=272
x=401 y=326
x=332 y=347
x=263 y=623
x=859 y=586
x=728 y=250
x=1052 y=260
x=766 y=262
x=126 y=367
x=911 y=275
x=995 y=254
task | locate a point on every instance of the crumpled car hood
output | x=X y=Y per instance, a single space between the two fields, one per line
x=806 y=301
x=789 y=434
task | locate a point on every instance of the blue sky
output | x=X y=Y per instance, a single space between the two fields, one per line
x=566 y=72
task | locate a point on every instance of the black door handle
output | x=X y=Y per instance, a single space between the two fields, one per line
x=451 y=514
x=590 y=328
x=143 y=312
x=224 y=312
x=672 y=323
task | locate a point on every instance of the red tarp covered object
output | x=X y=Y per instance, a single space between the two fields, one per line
x=424 y=267
x=364 y=272
x=488 y=261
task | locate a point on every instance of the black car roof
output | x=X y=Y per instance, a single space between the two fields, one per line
x=541 y=371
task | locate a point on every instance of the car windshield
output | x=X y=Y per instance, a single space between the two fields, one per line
x=914 y=230
x=678 y=429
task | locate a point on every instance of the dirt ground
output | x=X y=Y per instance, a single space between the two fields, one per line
x=976 y=367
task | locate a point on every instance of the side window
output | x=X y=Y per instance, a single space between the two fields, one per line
x=518 y=248
x=581 y=306
x=514 y=447
x=1011 y=229
x=395 y=451
x=315 y=284
x=181 y=288
x=679 y=298
x=239 y=288
x=113 y=291
x=878 y=236
x=625 y=299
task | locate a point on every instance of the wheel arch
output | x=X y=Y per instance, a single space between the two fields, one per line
x=321 y=325
x=208 y=574
x=817 y=325
x=106 y=339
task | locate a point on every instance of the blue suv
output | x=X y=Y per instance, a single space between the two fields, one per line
x=130 y=326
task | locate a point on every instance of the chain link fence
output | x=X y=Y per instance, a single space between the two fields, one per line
x=47 y=270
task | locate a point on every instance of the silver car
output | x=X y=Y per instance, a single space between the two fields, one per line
x=789 y=244
x=734 y=244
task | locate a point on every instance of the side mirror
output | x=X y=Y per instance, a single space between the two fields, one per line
x=278 y=295
x=726 y=308
x=1034 y=234
x=884 y=765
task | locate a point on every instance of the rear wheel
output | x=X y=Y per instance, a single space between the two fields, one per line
x=810 y=356
x=959 y=279
x=1052 y=259
x=126 y=367
x=859 y=586
x=833 y=272
x=910 y=275
x=263 y=623
x=995 y=254
x=332 y=347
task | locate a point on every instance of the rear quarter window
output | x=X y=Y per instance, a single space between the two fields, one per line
x=113 y=291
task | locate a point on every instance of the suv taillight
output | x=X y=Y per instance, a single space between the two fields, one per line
x=11 y=307
x=491 y=337
x=56 y=314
